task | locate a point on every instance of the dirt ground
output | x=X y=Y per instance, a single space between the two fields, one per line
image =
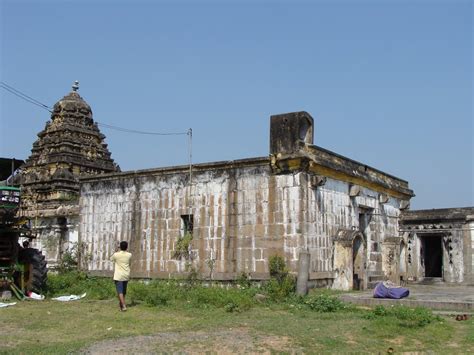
x=230 y=341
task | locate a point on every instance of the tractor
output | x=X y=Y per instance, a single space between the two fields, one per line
x=22 y=269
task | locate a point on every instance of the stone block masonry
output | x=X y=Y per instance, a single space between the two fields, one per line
x=240 y=213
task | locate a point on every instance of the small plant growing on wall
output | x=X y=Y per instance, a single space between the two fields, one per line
x=211 y=263
x=182 y=247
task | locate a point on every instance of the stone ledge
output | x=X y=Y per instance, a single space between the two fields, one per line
x=322 y=275
x=444 y=305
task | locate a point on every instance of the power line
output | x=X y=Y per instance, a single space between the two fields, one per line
x=142 y=132
x=33 y=101
x=23 y=96
x=22 y=93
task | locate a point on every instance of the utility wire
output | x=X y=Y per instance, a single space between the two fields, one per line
x=142 y=132
x=33 y=101
x=22 y=93
x=23 y=96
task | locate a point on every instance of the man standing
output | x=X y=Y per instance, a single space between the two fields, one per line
x=121 y=272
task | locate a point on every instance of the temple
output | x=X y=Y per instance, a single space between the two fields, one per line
x=69 y=147
x=224 y=219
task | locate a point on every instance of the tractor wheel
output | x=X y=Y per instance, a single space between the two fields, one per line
x=35 y=270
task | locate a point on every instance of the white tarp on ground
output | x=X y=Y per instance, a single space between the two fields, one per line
x=2 y=305
x=34 y=296
x=69 y=298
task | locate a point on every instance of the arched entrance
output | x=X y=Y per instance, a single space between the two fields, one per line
x=350 y=260
x=358 y=262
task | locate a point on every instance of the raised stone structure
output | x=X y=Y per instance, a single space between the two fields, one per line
x=302 y=198
x=69 y=147
x=438 y=245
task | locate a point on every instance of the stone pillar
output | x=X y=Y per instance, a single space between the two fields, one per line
x=391 y=259
x=303 y=273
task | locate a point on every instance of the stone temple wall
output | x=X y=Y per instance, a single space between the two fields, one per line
x=330 y=209
x=55 y=236
x=440 y=244
x=242 y=214
x=240 y=217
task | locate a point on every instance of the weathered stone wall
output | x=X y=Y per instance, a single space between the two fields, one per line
x=55 y=236
x=469 y=252
x=242 y=213
x=329 y=209
x=452 y=228
x=241 y=216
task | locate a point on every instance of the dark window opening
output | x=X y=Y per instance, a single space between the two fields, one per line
x=362 y=222
x=375 y=246
x=187 y=224
x=432 y=253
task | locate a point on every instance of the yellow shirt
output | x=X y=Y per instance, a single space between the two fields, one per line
x=122 y=265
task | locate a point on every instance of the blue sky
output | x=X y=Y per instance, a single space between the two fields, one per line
x=389 y=83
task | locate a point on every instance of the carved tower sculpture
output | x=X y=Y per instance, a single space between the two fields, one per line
x=69 y=147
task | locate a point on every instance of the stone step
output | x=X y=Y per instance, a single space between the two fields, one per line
x=431 y=281
x=374 y=280
x=371 y=285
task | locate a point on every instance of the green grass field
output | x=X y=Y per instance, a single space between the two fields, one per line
x=172 y=317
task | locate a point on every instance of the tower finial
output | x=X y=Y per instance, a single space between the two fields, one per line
x=75 y=87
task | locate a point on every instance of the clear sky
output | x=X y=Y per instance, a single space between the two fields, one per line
x=389 y=83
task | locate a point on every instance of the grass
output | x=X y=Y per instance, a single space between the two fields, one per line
x=53 y=327
x=175 y=317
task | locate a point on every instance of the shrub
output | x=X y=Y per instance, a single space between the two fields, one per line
x=230 y=299
x=182 y=246
x=156 y=299
x=68 y=262
x=324 y=303
x=407 y=317
x=231 y=307
x=280 y=290
x=160 y=293
x=243 y=280
x=281 y=284
x=75 y=282
x=277 y=268
x=154 y=293
x=193 y=275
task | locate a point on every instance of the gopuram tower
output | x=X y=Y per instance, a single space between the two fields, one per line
x=69 y=147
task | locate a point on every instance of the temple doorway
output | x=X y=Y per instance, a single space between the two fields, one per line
x=432 y=253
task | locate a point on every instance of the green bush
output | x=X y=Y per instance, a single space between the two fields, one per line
x=407 y=317
x=232 y=307
x=77 y=283
x=230 y=299
x=155 y=293
x=160 y=293
x=278 y=291
x=281 y=284
x=324 y=303
x=243 y=280
x=68 y=262
x=277 y=268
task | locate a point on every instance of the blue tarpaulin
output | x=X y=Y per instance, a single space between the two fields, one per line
x=389 y=290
